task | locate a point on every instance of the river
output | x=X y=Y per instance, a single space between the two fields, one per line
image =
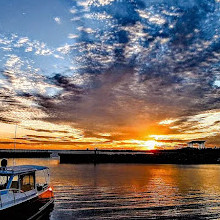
x=132 y=191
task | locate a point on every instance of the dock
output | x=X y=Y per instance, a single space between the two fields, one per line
x=20 y=153
x=178 y=156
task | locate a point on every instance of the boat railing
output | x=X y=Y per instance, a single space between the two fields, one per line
x=12 y=192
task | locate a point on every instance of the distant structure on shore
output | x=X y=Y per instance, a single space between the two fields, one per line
x=200 y=143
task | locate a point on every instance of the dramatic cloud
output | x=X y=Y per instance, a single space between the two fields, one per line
x=134 y=70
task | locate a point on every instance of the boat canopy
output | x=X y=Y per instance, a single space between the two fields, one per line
x=16 y=170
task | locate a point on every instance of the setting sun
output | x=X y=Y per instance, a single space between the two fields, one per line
x=150 y=145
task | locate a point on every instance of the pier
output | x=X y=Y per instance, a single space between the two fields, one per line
x=178 y=156
x=20 y=153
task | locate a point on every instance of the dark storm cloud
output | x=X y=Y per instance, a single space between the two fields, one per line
x=124 y=12
x=65 y=83
x=162 y=79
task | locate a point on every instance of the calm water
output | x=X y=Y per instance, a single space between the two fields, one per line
x=120 y=191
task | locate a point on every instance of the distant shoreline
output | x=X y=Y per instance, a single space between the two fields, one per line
x=176 y=156
x=179 y=156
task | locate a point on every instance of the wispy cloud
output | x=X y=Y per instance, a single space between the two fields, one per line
x=57 y=20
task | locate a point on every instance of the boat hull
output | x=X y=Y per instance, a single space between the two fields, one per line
x=30 y=209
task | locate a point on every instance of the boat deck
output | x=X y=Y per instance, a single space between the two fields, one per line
x=13 y=197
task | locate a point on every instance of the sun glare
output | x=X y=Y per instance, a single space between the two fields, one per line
x=149 y=145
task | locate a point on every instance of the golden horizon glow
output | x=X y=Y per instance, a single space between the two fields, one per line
x=38 y=134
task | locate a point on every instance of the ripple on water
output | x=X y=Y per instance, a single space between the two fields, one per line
x=129 y=191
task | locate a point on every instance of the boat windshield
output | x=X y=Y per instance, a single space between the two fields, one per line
x=27 y=182
x=15 y=183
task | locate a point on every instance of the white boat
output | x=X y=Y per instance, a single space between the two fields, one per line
x=24 y=191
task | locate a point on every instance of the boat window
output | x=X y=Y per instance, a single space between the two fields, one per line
x=27 y=182
x=14 y=183
x=3 y=182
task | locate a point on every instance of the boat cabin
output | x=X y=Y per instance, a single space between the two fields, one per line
x=19 y=183
x=23 y=178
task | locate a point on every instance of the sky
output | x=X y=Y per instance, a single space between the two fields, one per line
x=109 y=74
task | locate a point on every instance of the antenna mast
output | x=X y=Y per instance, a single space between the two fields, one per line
x=15 y=144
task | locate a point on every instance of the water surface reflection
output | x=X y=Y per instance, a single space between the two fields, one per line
x=117 y=191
